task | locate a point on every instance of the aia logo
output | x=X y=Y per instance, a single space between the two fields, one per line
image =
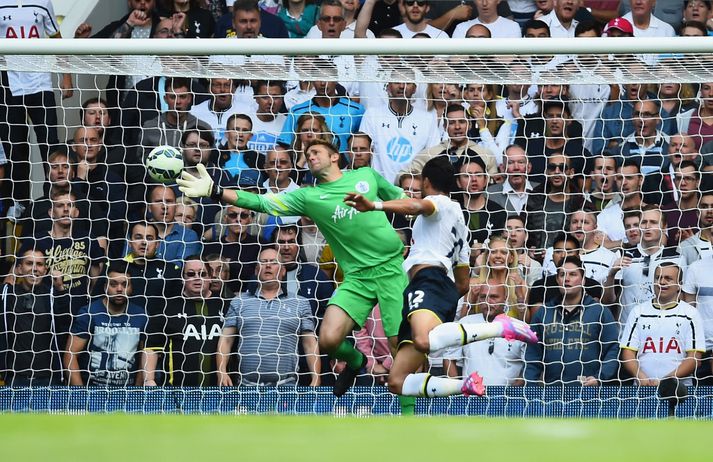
x=32 y=32
x=653 y=346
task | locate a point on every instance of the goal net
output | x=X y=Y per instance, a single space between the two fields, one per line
x=582 y=168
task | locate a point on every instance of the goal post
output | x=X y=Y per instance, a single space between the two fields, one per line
x=479 y=77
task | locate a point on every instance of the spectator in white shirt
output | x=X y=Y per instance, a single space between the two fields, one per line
x=497 y=360
x=512 y=194
x=414 y=16
x=217 y=110
x=645 y=23
x=561 y=19
x=488 y=16
x=349 y=9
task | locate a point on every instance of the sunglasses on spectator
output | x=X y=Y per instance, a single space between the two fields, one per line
x=234 y=215
x=195 y=274
x=331 y=18
x=553 y=167
x=417 y=2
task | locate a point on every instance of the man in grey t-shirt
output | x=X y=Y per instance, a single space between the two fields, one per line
x=269 y=322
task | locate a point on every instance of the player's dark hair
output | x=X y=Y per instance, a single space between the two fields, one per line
x=440 y=173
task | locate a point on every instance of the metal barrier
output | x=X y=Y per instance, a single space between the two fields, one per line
x=550 y=401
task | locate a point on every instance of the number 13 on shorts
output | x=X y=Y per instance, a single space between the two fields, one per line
x=415 y=299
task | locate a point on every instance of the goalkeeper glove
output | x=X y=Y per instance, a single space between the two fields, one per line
x=203 y=186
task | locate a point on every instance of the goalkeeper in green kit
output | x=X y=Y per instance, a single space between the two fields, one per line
x=365 y=246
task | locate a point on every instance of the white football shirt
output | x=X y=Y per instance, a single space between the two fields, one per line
x=497 y=360
x=663 y=337
x=440 y=239
x=699 y=282
x=500 y=28
x=397 y=139
x=27 y=20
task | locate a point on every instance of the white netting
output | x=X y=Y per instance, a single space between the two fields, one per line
x=592 y=129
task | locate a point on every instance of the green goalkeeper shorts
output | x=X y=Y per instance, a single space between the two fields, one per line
x=361 y=291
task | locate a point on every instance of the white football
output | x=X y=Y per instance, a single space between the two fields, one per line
x=164 y=164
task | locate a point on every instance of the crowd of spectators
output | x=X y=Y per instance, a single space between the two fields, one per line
x=590 y=206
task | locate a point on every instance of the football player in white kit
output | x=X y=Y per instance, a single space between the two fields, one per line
x=438 y=270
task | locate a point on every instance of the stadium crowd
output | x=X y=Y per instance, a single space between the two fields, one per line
x=590 y=206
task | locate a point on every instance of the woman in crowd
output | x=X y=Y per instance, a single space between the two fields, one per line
x=498 y=265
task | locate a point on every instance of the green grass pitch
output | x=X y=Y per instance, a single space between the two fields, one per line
x=138 y=438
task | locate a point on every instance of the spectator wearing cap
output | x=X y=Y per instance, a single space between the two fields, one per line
x=618 y=27
x=456 y=145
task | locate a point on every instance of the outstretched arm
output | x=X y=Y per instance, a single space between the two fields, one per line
x=400 y=206
x=283 y=204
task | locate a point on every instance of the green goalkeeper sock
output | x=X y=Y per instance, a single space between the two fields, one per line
x=408 y=405
x=353 y=357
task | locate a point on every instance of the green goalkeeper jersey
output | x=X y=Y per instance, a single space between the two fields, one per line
x=358 y=240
